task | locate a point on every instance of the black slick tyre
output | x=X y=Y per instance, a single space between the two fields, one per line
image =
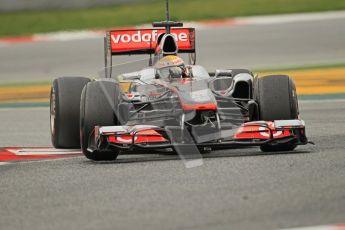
x=64 y=111
x=99 y=101
x=277 y=100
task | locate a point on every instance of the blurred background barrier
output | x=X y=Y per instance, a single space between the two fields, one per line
x=307 y=46
x=21 y=5
x=330 y=84
x=26 y=17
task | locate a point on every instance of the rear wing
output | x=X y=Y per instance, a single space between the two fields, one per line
x=144 y=41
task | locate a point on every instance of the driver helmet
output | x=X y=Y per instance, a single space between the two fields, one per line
x=169 y=63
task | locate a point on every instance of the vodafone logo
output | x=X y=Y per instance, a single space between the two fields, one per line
x=144 y=36
x=142 y=39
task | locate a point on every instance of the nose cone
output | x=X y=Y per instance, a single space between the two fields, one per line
x=196 y=96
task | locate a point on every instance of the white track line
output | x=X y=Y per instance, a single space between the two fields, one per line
x=43 y=151
x=288 y=18
x=45 y=160
x=321 y=227
x=35 y=161
x=67 y=36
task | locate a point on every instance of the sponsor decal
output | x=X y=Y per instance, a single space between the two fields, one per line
x=141 y=39
x=143 y=136
x=125 y=139
x=265 y=133
x=142 y=36
x=255 y=131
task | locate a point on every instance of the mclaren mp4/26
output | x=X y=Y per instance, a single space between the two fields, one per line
x=171 y=104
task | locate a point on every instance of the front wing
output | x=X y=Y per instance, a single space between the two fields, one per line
x=115 y=138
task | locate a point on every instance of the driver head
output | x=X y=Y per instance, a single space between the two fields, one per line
x=175 y=72
x=170 y=60
x=172 y=67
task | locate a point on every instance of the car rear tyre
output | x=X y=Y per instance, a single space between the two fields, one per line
x=64 y=111
x=277 y=100
x=99 y=100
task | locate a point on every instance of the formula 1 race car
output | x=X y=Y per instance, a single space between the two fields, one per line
x=170 y=104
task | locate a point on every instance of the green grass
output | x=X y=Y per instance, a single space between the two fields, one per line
x=318 y=97
x=7 y=105
x=25 y=23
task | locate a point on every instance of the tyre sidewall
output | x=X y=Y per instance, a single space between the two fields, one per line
x=276 y=96
x=97 y=109
x=64 y=111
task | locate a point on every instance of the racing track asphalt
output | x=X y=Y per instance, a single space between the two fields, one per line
x=234 y=189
